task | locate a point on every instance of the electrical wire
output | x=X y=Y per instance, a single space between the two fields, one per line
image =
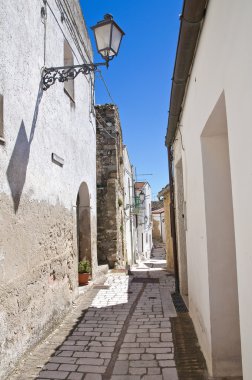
x=75 y=34
x=105 y=85
x=62 y=30
x=77 y=30
x=76 y=43
x=104 y=121
x=105 y=130
x=70 y=28
x=68 y=14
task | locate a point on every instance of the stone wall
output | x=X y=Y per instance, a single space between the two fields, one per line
x=110 y=194
x=156 y=233
x=38 y=240
x=38 y=274
x=156 y=220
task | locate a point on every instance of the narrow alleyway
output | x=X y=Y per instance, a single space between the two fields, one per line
x=120 y=331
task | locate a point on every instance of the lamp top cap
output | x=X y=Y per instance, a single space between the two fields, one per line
x=108 y=16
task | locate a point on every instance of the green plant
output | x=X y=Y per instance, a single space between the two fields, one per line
x=84 y=266
x=120 y=202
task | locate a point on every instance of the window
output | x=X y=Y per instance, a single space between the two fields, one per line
x=1 y=120
x=68 y=61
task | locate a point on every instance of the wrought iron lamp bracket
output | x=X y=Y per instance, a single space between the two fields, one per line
x=65 y=73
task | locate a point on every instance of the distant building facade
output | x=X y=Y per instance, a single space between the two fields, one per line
x=129 y=204
x=47 y=171
x=158 y=221
x=143 y=219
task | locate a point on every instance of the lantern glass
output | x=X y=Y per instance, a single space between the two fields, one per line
x=102 y=36
x=116 y=39
x=108 y=37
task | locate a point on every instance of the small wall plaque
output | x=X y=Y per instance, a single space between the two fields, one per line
x=57 y=159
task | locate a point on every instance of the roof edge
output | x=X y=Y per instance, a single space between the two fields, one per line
x=190 y=27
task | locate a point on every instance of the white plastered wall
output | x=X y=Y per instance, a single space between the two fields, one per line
x=144 y=229
x=128 y=207
x=222 y=64
x=38 y=258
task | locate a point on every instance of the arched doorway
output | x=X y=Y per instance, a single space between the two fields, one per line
x=83 y=223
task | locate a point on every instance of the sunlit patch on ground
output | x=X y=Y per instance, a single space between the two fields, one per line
x=116 y=294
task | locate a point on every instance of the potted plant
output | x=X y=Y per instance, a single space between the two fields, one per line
x=84 y=270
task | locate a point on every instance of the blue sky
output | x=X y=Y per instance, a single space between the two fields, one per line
x=139 y=79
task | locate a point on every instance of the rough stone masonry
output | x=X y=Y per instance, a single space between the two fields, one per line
x=109 y=164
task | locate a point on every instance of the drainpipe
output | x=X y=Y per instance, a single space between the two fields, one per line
x=190 y=27
x=172 y=216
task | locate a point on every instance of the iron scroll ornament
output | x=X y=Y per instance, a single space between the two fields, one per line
x=65 y=73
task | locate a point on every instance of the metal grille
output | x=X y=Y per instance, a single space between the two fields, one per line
x=146 y=280
x=179 y=303
x=189 y=359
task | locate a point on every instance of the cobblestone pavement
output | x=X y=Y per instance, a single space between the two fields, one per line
x=120 y=332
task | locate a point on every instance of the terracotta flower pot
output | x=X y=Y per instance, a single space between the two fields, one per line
x=83 y=278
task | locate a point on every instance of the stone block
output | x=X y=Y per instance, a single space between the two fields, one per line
x=137 y=371
x=67 y=367
x=91 y=376
x=143 y=363
x=170 y=373
x=121 y=368
x=54 y=375
x=90 y=361
x=167 y=363
x=91 y=369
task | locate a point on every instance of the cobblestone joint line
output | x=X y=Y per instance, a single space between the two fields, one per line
x=107 y=375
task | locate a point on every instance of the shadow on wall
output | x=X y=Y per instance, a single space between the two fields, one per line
x=17 y=168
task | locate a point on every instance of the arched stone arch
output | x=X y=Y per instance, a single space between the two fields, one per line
x=83 y=223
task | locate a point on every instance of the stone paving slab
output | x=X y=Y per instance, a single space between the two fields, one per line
x=121 y=332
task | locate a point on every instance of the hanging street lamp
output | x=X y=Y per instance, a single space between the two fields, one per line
x=108 y=37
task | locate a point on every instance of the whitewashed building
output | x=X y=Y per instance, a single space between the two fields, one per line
x=47 y=171
x=130 y=237
x=209 y=140
x=143 y=219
